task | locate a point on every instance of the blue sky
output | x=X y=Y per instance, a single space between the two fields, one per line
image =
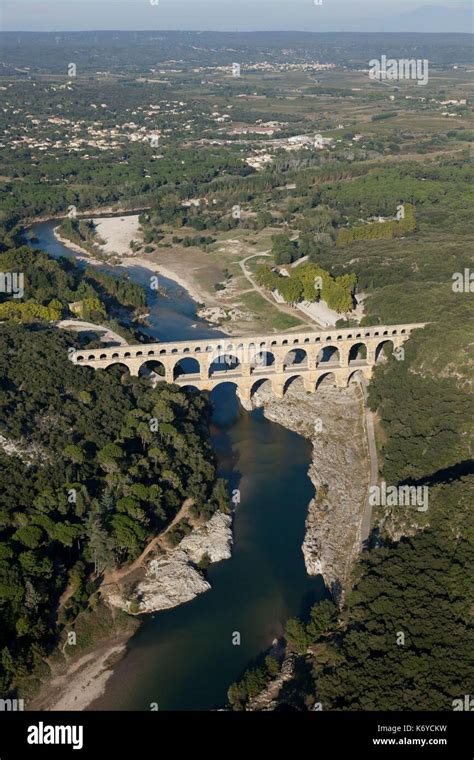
x=235 y=15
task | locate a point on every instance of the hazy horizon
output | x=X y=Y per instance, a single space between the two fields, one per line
x=229 y=16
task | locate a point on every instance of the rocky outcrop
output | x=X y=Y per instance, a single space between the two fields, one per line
x=332 y=419
x=168 y=582
x=268 y=698
x=174 y=578
x=212 y=540
x=29 y=453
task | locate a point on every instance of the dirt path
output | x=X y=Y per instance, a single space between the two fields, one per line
x=374 y=466
x=106 y=334
x=118 y=575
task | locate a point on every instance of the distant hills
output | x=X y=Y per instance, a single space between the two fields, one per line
x=428 y=18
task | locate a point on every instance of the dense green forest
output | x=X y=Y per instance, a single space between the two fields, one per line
x=86 y=483
x=129 y=53
x=86 y=479
x=61 y=289
x=421 y=585
x=92 y=184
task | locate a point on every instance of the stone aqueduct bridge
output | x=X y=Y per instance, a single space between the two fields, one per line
x=332 y=356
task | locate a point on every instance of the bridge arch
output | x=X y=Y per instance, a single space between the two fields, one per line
x=382 y=349
x=151 y=367
x=291 y=381
x=328 y=355
x=358 y=352
x=262 y=359
x=355 y=377
x=259 y=384
x=295 y=357
x=190 y=389
x=115 y=367
x=327 y=379
x=224 y=362
x=224 y=386
x=188 y=365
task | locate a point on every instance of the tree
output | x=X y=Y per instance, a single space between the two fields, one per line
x=322 y=617
x=284 y=249
x=74 y=454
x=110 y=456
x=29 y=535
x=296 y=636
x=99 y=549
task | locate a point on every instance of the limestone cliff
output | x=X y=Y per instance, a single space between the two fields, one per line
x=332 y=419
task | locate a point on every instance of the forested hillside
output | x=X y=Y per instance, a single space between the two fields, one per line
x=54 y=290
x=421 y=585
x=87 y=479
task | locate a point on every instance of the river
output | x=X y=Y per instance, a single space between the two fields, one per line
x=185 y=658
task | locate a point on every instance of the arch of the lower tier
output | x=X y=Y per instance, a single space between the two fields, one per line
x=355 y=376
x=327 y=378
x=189 y=388
x=259 y=383
x=218 y=385
x=290 y=381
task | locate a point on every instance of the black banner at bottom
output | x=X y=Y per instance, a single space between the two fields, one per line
x=126 y=734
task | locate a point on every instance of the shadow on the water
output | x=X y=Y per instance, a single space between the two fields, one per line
x=310 y=598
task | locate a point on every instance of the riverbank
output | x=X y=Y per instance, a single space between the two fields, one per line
x=98 y=212
x=333 y=420
x=117 y=232
x=194 y=292
x=76 y=684
x=84 y=255
x=169 y=578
